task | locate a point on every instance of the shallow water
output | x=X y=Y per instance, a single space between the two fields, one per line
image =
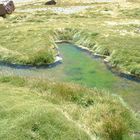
x=82 y=68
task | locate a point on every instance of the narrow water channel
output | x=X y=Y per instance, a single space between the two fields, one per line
x=82 y=68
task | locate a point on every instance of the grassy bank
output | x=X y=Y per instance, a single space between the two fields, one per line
x=107 y=29
x=36 y=109
x=25 y=45
x=114 y=56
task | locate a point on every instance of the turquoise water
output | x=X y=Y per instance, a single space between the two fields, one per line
x=82 y=68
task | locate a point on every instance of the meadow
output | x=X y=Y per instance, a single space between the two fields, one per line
x=33 y=108
x=108 y=29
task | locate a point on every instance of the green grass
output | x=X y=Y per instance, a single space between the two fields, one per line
x=26 y=44
x=27 y=38
x=115 y=52
x=34 y=109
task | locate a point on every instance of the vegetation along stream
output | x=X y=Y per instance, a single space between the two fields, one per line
x=82 y=68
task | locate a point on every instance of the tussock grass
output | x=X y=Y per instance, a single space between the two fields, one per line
x=81 y=37
x=116 y=55
x=26 y=46
x=101 y=28
x=42 y=110
x=36 y=109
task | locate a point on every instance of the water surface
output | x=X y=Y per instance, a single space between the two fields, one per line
x=82 y=68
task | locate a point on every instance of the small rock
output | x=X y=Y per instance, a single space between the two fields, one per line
x=50 y=2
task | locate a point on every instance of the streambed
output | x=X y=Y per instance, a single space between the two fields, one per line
x=80 y=67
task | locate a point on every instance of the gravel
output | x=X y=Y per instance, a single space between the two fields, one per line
x=59 y=10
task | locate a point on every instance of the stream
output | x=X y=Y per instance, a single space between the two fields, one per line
x=82 y=68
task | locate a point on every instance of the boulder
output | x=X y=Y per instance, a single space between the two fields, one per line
x=6 y=7
x=50 y=2
x=2 y=10
x=10 y=7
